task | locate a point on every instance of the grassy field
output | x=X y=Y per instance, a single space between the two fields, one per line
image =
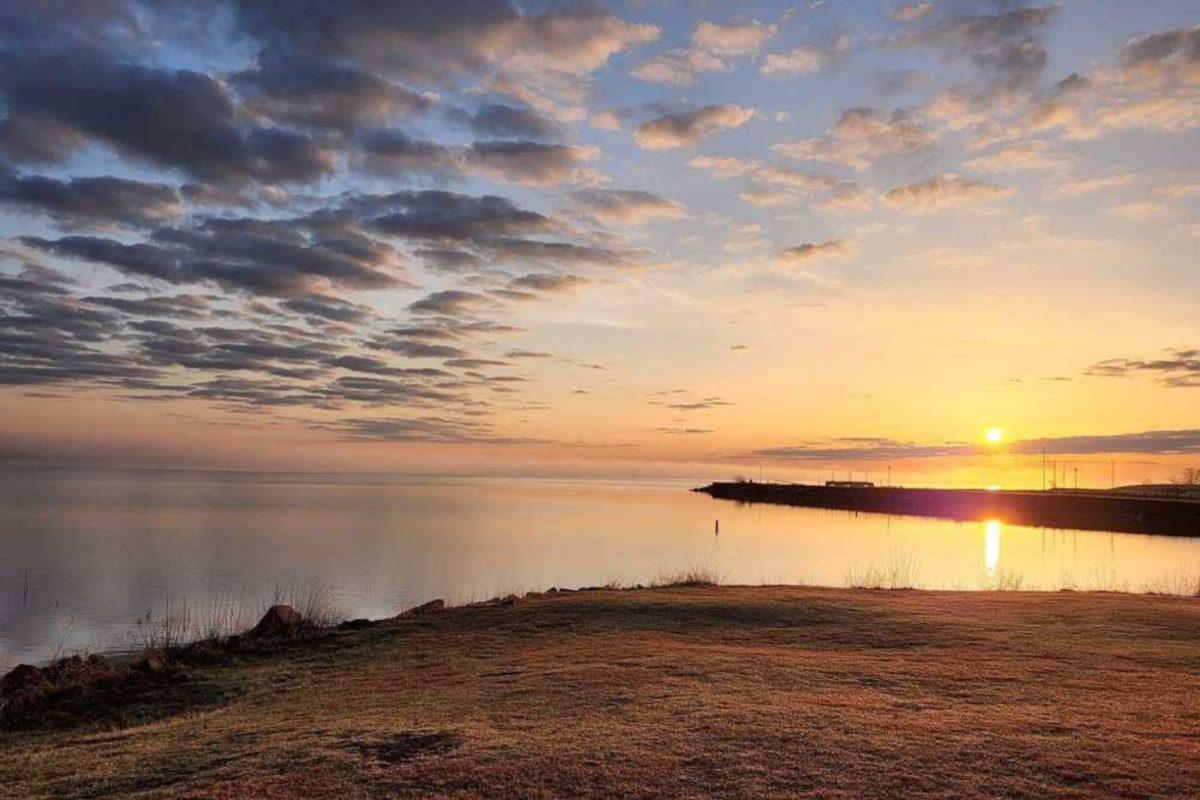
x=676 y=692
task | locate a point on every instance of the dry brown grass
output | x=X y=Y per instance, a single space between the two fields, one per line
x=697 y=692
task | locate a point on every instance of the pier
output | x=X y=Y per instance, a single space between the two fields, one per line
x=1083 y=510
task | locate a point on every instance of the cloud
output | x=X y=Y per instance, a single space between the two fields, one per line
x=1159 y=442
x=734 y=38
x=812 y=253
x=450 y=301
x=608 y=119
x=766 y=197
x=679 y=67
x=1163 y=57
x=547 y=282
x=449 y=261
x=1086 y=107
x=528 y=163
x=436 y=215
x=1179 y=369
x=941 y=192
x=1085 y=186
x=91 y=202
x=309 y=92
x=702 y=404
x=968 y=34
x=689 y=127
x=418 y=41
x=804 y=59
x=519 y=162
x=771 y=185
x=1029 y=156
x=241 y=255
x=911 y=12
x=329 y=308
x=860 y=137
x=64 y=99
x=625 y=207
x=1139 y=210
x=1179 y=190
x=1164 y=113
x=1004 y=47
x=502 y=121
x=846 y=198
x=424 y=429
x=763 y=173
x=558 y=253
x=393 y=152
x=714 y=46
x=417 y=349
x=181 y=306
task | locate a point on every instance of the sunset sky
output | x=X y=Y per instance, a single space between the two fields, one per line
x=678 y=238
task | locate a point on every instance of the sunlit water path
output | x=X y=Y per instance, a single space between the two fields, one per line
x=83 y=553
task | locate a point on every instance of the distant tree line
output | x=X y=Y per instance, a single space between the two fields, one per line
x=1188 y=476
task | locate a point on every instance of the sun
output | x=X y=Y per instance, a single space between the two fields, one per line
x=994 y=435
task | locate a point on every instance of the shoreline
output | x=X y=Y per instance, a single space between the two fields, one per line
x=1079 y=510
x=715 y=691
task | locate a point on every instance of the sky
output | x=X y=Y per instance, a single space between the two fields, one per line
x=631 y=238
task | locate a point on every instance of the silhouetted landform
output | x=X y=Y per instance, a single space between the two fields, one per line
x=1083 y=510
x=715 y=692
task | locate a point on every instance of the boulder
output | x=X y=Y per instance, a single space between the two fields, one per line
x=432 y=607
x=280 y=622
x=22 y=678
x=23 y=694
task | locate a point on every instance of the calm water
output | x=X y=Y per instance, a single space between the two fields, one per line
x=101 y=548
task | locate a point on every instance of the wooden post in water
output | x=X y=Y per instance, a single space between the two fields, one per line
x=716 y=527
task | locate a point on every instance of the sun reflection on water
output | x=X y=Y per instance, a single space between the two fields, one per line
x=991 y=545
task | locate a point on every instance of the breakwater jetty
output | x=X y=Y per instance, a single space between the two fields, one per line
x=1084 y=510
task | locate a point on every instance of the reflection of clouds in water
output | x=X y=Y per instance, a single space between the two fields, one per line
x=991 y=546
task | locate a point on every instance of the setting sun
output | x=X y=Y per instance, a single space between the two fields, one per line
x=994 y=435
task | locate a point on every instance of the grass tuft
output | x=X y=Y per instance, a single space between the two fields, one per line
x=900 y=572
x=314 y=600
x=689 y=577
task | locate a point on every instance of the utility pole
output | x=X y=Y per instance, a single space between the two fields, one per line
x=889 y=482
x=1043 y=466
x=1112 y=474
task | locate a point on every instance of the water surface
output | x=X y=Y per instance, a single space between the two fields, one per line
x=83 y=553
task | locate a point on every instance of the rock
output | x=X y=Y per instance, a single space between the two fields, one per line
x=23 y=694
x=153 y=663
x=22 y=706
x=280 y=622
x=22 y=678
x=511 y=600
x=355 y=624
x=432 y=607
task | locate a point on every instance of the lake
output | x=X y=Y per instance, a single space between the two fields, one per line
x=82 y=553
